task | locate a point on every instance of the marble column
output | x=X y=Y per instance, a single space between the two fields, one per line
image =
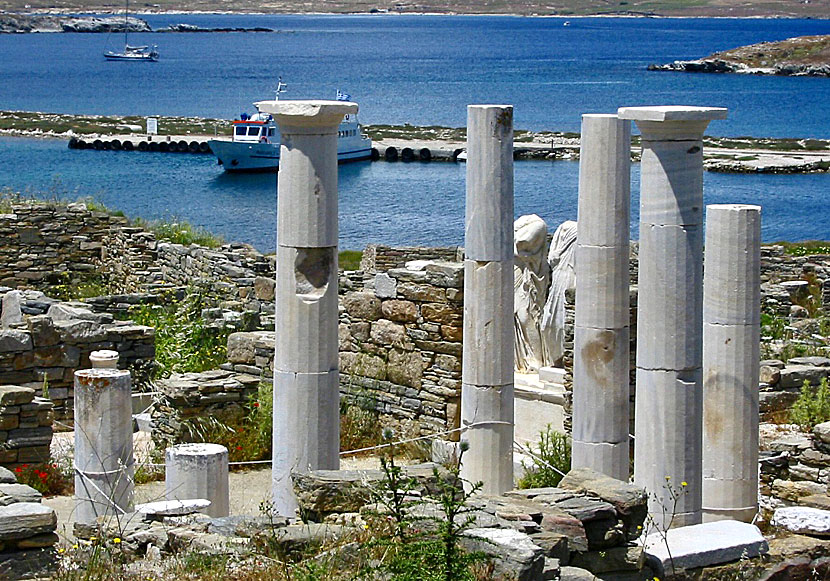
x=601 y=345
x=731 y=354
x=198 y=471
x=306 y=396
x=103 y=444
x=487 y=368
x=669 y=401
x=104 y=359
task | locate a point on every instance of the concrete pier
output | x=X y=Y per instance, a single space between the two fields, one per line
x=487 y=371
x=731 y=354
x=103 y=444
x=668 y=423
x=601 y=333
x=306 y=391
x=198 y=471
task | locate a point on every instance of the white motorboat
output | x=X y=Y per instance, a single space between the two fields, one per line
x=255 y=144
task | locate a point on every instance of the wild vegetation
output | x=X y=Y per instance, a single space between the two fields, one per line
x=549 y=460
x=812 y=406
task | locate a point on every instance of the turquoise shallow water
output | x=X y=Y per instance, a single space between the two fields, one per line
x=389 y=203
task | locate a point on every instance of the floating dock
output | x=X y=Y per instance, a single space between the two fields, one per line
x=384 y=150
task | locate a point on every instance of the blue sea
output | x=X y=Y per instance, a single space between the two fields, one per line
x=421 y=70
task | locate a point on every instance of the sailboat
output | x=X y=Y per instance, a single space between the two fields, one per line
x=132 y=53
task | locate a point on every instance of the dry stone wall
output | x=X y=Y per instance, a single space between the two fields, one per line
x=25 y=427
x=56 y=339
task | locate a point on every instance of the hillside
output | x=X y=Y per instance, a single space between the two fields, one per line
x=735 y=8
x=800 y=56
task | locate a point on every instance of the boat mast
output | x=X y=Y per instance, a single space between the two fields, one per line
x=126 y=15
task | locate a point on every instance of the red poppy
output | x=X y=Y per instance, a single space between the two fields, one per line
x=239 y=447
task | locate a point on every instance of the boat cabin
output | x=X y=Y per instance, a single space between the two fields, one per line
x=258 y=128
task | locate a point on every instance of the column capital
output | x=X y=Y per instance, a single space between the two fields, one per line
x=307 y=114
x=673 y=122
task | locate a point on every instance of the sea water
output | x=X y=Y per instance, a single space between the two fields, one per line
x=387 y=203
x=401 y=69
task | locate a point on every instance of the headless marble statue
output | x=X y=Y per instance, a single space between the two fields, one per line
x=531 y=276
x=562 y=278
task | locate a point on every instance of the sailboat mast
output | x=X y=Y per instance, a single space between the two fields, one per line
x=126 y=15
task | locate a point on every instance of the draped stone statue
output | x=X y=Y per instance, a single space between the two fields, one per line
x=531 y=276
x=562 y=278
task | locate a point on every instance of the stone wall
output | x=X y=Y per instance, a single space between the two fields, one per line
x=25 y=426
x=379 y=258
x=27 y=532
x=56 y=339
x=42 y=245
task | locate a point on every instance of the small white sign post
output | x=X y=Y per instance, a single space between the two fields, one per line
x=152 y=126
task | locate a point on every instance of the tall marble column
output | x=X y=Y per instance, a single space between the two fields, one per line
x=487 y=369
x=306 y=397
x=103 y=444
x=669 y=402
x=601 y=345
x=731 y=354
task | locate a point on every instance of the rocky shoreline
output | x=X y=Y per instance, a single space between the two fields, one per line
x=721 y=66
x=14 y=23
x=803 y=56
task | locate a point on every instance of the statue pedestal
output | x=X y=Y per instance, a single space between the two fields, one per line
x=539 y=400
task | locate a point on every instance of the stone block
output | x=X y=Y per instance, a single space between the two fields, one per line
x=12 y=341
x=241 y=347
x=26 y=519
x=602 y=295
x=600 y=382
x=732 y=290
x=488 y=230
x=399 y=310
x=630 y=558
x=803 y=520
x=488 y=323
x=7 y=476
x=706 y=544
x=13 y=395
x=388 y=334
x=405 y=368
x=12 y=493
x=513 y=552
x=669 y=313
x=10 y=313
x=794 y=376
x=362 y=305
x=386 y=287
x=264 y=288
x=80 y=331
x=604 y=181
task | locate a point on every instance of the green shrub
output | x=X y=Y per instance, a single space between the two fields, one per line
x=183 y=342
x=349 y=259
x=248 y=438
x=549 y=462
x=812 y=406
x=180 y=232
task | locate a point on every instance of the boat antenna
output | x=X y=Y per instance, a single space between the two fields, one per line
x=281 y=88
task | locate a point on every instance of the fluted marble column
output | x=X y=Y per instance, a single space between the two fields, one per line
x=668 y=419
x=306 y=397
x=601 y=342
x=487 y=369
x=731 y=353
x=103 y=444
